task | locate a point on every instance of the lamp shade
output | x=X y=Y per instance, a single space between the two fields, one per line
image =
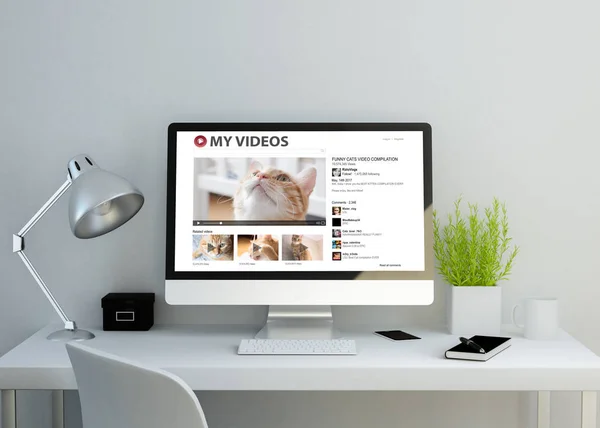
x=100 y=201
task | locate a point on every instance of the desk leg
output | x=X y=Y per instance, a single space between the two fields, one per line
x=58 y=409
x=9 y=409
x=543 y=409
x=588 y=409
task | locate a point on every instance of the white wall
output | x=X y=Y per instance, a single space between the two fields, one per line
x=511 y=89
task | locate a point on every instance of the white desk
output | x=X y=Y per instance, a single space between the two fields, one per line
x=206 y=358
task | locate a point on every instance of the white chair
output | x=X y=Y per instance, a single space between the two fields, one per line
x=116 y=393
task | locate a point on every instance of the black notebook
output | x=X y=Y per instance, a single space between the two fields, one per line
x=492 y=345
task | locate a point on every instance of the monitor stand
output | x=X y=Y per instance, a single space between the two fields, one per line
x=299 y=322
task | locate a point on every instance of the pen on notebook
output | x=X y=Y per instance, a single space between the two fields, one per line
x=472 y=344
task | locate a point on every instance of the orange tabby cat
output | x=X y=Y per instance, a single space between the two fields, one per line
x=268 y=193
x=215 y=247
x=299 y=250
x=264 y=248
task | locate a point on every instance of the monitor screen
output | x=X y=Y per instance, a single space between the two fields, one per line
x=298 y=201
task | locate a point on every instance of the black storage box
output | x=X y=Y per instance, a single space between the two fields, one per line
x=128 y=311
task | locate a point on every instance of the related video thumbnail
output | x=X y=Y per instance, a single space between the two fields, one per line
x=302 y=247
x=260 y=248
x=212 y=247
x=257 y=190
x=336 y=244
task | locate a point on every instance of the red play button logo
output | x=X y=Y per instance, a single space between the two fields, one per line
x=200 y=141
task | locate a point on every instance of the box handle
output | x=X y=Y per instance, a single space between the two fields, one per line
x=128 y=316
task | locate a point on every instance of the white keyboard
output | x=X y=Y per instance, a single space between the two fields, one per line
x=297 y=347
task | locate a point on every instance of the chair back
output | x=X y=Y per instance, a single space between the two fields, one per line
x=116 y=393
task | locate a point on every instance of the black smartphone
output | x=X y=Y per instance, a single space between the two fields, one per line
x=396 y=335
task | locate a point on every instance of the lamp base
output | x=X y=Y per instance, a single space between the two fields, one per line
x=69 y=335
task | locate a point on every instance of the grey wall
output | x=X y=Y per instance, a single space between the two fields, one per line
x=511 y=89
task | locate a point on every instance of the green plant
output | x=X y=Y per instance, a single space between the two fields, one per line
x=474 y=250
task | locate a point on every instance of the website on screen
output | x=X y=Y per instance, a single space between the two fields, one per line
x=299 y=201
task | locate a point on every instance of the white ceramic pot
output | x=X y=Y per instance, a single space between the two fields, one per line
x=474 y=310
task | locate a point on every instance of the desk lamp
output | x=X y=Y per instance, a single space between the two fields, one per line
x=100 y=202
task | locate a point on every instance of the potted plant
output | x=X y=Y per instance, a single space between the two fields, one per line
x=473 y=254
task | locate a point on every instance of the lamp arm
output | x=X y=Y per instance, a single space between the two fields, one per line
x=38 y=215
x=19 y=246
x=69 y=325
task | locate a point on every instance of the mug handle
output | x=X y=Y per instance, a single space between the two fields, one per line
x=514 y=317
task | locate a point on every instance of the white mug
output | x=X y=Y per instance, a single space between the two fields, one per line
x=541 y=318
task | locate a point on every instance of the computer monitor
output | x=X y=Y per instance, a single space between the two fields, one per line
x=299 y=216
